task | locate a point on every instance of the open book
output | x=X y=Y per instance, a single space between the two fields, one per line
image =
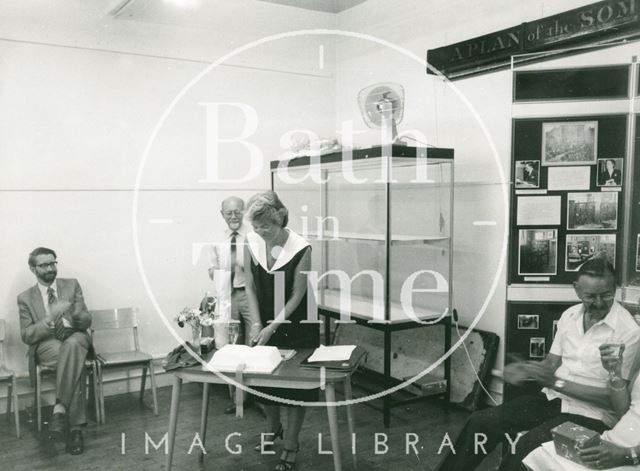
x=259 y=359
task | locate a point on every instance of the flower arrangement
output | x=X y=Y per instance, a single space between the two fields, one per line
x=196 y=318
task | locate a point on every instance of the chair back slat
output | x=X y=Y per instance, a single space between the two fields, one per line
x=120 y=318
x=105 y=327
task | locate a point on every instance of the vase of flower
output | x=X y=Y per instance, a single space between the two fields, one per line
x=196 y=336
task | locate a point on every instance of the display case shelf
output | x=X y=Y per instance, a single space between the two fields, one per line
x=362 y=307
x=359 y=236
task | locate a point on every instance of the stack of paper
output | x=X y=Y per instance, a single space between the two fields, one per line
x=259 y=359
x=332 y=353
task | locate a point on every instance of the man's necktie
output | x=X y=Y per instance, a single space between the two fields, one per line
x=59 y=330
x=232 y=258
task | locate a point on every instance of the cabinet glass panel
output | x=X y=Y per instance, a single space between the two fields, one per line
x=382 y=251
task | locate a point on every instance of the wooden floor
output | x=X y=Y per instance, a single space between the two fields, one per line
x=103 y=444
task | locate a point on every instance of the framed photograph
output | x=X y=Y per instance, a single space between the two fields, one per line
x=570 y=143
x=592 y=211
x=583 y=247
x=537 y=347
x=638 y=253
x=528 y=321
x=554 y=329
x=538 y=252
x=610 y=172
x=527 y=174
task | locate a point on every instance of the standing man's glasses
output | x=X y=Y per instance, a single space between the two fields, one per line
x=232 y=213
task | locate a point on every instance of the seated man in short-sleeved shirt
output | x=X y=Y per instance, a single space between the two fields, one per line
x=574 y=380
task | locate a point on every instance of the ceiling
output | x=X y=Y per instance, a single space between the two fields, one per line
x=329 y=6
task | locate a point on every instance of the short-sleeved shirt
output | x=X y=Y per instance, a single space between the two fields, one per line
x=580 y=355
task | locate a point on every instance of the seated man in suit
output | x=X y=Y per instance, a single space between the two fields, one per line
x=53 y=322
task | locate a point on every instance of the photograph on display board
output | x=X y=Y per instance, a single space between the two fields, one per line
x=582 y=247
x=592 y=211
x=527 y=174
x=538 y=252
x=528 y=321
x=569 y=143
x=555 y=329
x=610 y=172
x=537 y=347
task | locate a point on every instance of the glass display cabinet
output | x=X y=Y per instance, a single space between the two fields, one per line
x=380 y=224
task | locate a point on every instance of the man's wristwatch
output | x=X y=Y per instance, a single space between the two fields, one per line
x=634 y=457
x=559 y=384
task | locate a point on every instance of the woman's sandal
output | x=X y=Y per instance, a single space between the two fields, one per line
x=266 y=445
x=288 y=460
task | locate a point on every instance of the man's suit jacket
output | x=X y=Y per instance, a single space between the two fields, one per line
x=616 y=176
x=32 y=313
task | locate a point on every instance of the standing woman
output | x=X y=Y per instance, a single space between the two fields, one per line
x=275 y=260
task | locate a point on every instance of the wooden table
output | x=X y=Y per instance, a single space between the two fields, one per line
x=290 y=375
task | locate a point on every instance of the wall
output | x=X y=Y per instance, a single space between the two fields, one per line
x=81 y=94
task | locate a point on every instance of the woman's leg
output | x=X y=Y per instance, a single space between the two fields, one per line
x=273 y=418
x=295 y=417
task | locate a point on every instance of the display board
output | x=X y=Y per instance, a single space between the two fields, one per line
x=567 y=196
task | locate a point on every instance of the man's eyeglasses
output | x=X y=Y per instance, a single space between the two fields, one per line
x=47 y=265
x=590 y=298
x=236 y=212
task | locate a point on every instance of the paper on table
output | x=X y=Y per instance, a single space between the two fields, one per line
x=332 y=353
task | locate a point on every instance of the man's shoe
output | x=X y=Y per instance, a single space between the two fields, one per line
x=75 y=443
x=57 y=426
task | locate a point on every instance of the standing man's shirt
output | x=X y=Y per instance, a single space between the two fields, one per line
x=580 y=355
x=220 y=264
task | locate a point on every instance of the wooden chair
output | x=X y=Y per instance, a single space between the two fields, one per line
x=92 y=375
x=9 y=377
x=125 y=355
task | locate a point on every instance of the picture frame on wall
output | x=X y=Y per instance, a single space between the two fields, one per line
x=528 y=322
x=610 y=172
x=593 y=210
x=583 y=247
x=569 y=143
x=527 y=174
x=537 y=347
x=538 y=252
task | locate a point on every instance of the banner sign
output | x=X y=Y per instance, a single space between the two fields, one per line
x=598 y=22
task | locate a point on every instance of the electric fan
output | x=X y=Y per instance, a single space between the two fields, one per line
x=382 y=106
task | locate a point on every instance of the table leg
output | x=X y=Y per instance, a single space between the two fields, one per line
x=173 y=418
x=348 y=395
x=330 y=393
x=204 y=417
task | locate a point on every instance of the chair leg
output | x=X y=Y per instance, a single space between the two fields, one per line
x=96 y=397
x=143 y=382
x=9 y=398
x=16 y=407
x=152 y=377
x=103 y=416
x=38 y=400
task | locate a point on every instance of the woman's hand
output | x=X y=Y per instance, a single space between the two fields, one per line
x=604 y=456
x=611 y=357
x=263 y=336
